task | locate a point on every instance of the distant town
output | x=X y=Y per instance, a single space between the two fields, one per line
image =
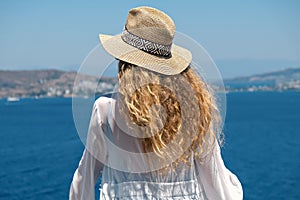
x=283 y=80
x=51 y=83
x=56 y=83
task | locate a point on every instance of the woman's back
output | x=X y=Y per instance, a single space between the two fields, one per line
x=174 y=182
x=198 y=179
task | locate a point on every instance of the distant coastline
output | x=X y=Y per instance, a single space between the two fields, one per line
x=282 y=80
x=56 y=83
x=51 y=83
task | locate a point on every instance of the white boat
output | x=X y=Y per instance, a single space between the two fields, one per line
x=13 y=99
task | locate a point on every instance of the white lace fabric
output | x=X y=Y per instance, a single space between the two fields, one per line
x=151 y=190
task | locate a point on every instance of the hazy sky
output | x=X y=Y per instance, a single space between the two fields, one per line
x=243 y=37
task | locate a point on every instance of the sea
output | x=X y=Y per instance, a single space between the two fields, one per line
x=40 y=147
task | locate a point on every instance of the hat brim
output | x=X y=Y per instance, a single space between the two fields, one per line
x=178 y=62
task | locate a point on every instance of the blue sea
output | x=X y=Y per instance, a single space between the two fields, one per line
x=40 y=148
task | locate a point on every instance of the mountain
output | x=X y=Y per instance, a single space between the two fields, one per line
x=50 y=83
x=287 y=79
x=56 y=83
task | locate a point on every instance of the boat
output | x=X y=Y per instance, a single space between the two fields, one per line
x=13 y=99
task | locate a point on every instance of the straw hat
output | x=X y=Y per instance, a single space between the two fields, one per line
x=147 y=41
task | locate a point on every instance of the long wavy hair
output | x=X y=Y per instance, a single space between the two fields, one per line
x=164 y=115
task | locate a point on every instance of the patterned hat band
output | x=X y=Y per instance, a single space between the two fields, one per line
x=146 y=45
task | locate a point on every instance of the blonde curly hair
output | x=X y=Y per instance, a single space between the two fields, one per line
x=169 y=110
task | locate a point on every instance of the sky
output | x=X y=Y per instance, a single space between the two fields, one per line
x=242 y=37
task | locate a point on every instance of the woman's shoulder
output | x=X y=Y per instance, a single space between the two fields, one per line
x=103 y=102
x=102 y=105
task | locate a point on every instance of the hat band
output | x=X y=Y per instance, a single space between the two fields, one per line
x=146 y=45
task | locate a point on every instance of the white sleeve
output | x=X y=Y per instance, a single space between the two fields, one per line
x=89 y=168
x=218 y=182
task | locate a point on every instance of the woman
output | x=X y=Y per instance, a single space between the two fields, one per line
x=158 y=138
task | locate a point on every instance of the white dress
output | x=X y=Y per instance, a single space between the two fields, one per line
x=208 y=179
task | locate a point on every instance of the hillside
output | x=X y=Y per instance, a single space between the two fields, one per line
x=49 y=83
x=56 y=83
x=287 y=79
